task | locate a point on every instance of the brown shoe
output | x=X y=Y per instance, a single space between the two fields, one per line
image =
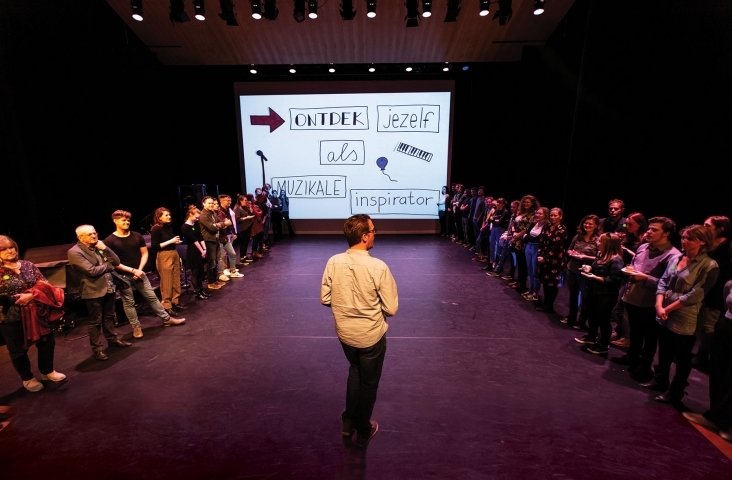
x=361 y=441
x=214 y=286
x=137 y=332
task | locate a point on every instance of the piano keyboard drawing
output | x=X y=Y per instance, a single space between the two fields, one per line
x=413 y=152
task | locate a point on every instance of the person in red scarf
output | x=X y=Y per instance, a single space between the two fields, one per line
x=29 y=302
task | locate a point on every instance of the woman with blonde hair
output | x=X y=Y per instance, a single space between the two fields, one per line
x=167 y=261
x=605 y=276
x=524 y=217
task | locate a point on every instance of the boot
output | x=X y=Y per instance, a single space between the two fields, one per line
x=657 y=384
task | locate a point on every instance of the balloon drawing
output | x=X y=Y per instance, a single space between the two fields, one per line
x=381 y=163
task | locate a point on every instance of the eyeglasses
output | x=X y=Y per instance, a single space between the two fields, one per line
x=372 y=231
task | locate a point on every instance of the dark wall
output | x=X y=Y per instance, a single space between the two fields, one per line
x=91 y=121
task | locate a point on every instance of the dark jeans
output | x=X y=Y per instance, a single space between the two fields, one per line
x=600 y=308
x=443 y=221
x=15 y=338
x=577 y=285
x=363 y=382
x=720 y=375
x=257 y=242
x=522 y=269
x=674 y=347
x=643 y=336
x=286 y=216
x=212 y=255
x=243 y=240
x=101 y=319
x=277 y=224
x=505 y=253
x=459 y=227
x=550 y=295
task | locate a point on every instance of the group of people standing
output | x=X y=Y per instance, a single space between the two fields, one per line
x=621 y=269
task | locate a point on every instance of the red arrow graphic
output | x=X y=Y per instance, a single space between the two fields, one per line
x=273 y=120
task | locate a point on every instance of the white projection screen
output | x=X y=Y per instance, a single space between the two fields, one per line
x=342 y=148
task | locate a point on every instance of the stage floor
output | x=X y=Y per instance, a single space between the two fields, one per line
x=476 y=385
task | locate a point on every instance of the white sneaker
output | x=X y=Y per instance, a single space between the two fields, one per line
x=54 y=376
x=236 y=275
x=224 y=278
x=227 y=272
x=32 y=385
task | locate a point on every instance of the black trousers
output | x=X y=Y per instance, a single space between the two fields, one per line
x=15 y=338
x=550 y=295
x=643 y=336
x=243 y=239
x=277 y=224
x=364 y=374
x=674 y=347
x=720 y=375
x=599 y=315
x=522 y=269
x=101 y=319
x=212 y=255
x=286 y=216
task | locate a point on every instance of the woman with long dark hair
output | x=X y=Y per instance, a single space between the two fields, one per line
x=582 y=251
x=523 y=218
x=531 y=248
x=604 y=275
x=244 y=221
x=552 y=257
x=167 y=261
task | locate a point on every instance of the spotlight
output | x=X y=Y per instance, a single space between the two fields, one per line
x=252 y=70
x=426 y=8
x=331 y=69
x=484 y=7
x=446 y=68
x=199 y=9
x=256 y=9
x=372 y=69
x=412 y=17
x=504 y=12
x=177 y=12
x=466 y=68
x=347 y=11
x=538 y=7
x=227 y=13
x=313 y=9
x=292 y=69
x=409 y=69
x=371 y=8
x=270 y=9
x=453 y=9
x=299 y=12
x=136 y=9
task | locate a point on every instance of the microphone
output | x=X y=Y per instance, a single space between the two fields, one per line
x=259 y=152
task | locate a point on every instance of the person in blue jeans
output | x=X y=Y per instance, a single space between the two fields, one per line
x=531 y=242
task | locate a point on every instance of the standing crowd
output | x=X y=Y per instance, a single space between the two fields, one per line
x=621 y=270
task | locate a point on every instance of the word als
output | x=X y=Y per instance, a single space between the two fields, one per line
x=342 y=152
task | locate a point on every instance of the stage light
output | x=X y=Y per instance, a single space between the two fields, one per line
x=426 y=8
x=177 y=12
x=412 y=17
x=538 y=7
x=136 y=9
x=270 y=9
x=453 y=9
x=409 y=69
x=227 y=13
x=466 y=68
x=292 y=69
x=199 y=10
x=347 y=11
x=504 y=12
x=371 y=8
x=372 y=69
x=313 y=9
x=256 y=9
x=446 y=68
x=299 y=12
x=484 y=7
x=331 y=69
x=252 y=70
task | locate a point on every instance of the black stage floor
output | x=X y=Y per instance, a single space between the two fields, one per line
x=476 y=385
